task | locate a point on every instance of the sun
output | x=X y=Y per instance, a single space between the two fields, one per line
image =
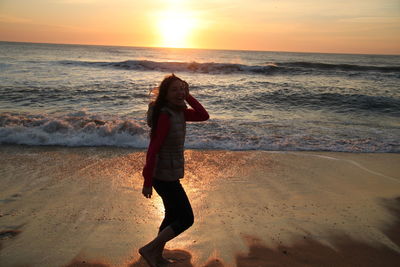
x=175 y=27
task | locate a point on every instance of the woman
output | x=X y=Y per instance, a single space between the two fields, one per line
x=164 y=167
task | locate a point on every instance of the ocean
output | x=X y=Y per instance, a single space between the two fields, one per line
x=80 y=95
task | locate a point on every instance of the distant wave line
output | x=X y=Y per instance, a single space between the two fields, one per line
x=226 y=68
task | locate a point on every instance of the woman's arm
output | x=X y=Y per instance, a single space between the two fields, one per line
x=156 y=142
x=198 y=113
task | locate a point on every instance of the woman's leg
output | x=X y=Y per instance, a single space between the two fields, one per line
x=178 y=218
x=166 y=191
x=170 y=212
x=151 y=251
x=178 y=211
x=183 y=209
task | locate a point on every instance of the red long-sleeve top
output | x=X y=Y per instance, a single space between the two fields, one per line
x=196 y=113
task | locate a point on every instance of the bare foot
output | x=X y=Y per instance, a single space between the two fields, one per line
x=149 y=256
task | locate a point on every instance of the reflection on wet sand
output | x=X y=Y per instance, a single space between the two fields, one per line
x=251 y=208
x=306 y=252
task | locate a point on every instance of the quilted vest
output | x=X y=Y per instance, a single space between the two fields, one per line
x=170 y=162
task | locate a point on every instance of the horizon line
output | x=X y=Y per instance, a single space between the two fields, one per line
x=194 y=48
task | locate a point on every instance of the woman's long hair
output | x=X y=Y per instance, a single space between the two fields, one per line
x=161 y=92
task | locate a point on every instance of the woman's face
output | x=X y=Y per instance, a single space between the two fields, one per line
x=176 y=93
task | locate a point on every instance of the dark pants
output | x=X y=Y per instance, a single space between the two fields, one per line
x=178 y=212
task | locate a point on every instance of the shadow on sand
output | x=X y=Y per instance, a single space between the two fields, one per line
x=181 y=258
x=8 y=234
x=307 y=252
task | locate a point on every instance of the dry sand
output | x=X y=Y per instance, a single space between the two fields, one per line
x=83 y=207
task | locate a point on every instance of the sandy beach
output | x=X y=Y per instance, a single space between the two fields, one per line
x=77 y=206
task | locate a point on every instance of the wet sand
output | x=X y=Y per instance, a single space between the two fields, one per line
x=83 y=207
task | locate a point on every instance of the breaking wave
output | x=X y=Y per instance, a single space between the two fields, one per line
x=82 y=129
x=74 y=129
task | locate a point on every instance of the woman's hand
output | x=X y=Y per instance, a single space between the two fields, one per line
x=147 y=191
x=186 y=88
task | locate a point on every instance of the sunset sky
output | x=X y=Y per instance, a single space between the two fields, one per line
x=340 y=26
